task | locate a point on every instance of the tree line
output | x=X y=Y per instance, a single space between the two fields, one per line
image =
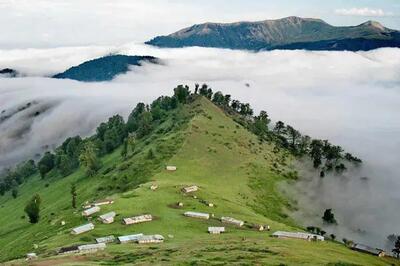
x=75 y=151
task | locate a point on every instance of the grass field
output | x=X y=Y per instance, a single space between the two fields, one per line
x=234 y=170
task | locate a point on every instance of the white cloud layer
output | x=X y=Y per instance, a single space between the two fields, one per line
x=350 y=98
x=363 y=12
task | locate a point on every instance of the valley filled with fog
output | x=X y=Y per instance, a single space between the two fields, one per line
x=350 y=98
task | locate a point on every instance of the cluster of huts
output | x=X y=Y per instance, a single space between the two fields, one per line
x=108 y=218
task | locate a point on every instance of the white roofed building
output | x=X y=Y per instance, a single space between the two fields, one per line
x=170 y=168
x=82 y=229
x=298 y=235
x=146 y=239
x=106 y=239
x=129 y=238
x=190 y=189
x=90 y=211
x=216 y=230
x=230 y=220
x=107 y=218
x=137 y=219
x=92 y=247
x=199 y=215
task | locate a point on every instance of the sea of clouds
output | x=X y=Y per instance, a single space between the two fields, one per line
x=349 y=98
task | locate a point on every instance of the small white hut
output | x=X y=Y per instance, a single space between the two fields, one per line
x=92 y=247
x=199 y=215
x=90 y=211
x=31 y=256
x=137 y=219
x=129 y=238
x=146 y=239
x=298 y=235
x=170 y=168
x=82 y=229
x=230 y=220
x=216 y=230
x=99 y=203
x=105 y=239
x=190 y=189
x=107 y=218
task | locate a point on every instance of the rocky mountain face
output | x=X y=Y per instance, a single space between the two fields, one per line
x=286 y=33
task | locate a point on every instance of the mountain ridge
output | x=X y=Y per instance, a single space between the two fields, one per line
x=276 y=34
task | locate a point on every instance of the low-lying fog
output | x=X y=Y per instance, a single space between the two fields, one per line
x=353 y=99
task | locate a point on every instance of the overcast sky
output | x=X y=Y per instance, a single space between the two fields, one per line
x=52 y=23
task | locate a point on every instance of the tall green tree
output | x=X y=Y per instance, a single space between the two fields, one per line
x=46 y=164
x=89 y=159
x=396 y=249
x=73 y=195
x=32 y=209
x=329 y=217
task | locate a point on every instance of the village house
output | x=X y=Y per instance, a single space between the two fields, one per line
x=137 y=219
x=170 y=168
x=298 y=235
x=99 y=203
x=92 y=247
x=146 y=239
x=230 y=220
x=190 y=189
x=107 y=218
x=129 y=238
x=199 y=215
x=90 y=211
x=31 y=256
x=153 y=187
x=105 y=239
x=369 y=250
x=82 y=229
x=259 y=227
x=216 y=230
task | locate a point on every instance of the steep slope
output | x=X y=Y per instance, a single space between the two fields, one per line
x=286 y=33
x=104 y=68
x=234 y=170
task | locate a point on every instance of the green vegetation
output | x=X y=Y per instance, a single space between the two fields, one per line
x=235 y=169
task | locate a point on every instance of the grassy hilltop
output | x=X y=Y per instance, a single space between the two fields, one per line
x=235 y=171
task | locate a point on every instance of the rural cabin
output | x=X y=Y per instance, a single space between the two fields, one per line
x=99 y=203
x=92 y=247
x=129 y=238
x=216 y=230
x=107 y=218
x=82 y=229
x=190 y=189
x=147 y=239
x=31 y=256
x=90 y=211
x=105 y=239
x=298 y=235
x=170 y=168
x=199 y=215
x=230 y=220
x=369 y=250
x=137 y=219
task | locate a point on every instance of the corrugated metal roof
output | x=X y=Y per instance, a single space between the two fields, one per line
x=106 y=239
x=92 y=246
x=129 y=238
x=197 y=214
x=83 y=228
x=299 y=235
x=107 y=215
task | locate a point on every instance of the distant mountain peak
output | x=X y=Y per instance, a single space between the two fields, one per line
x=373 y=24
x=285 y=33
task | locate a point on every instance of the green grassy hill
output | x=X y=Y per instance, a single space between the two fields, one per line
x=234 y=170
